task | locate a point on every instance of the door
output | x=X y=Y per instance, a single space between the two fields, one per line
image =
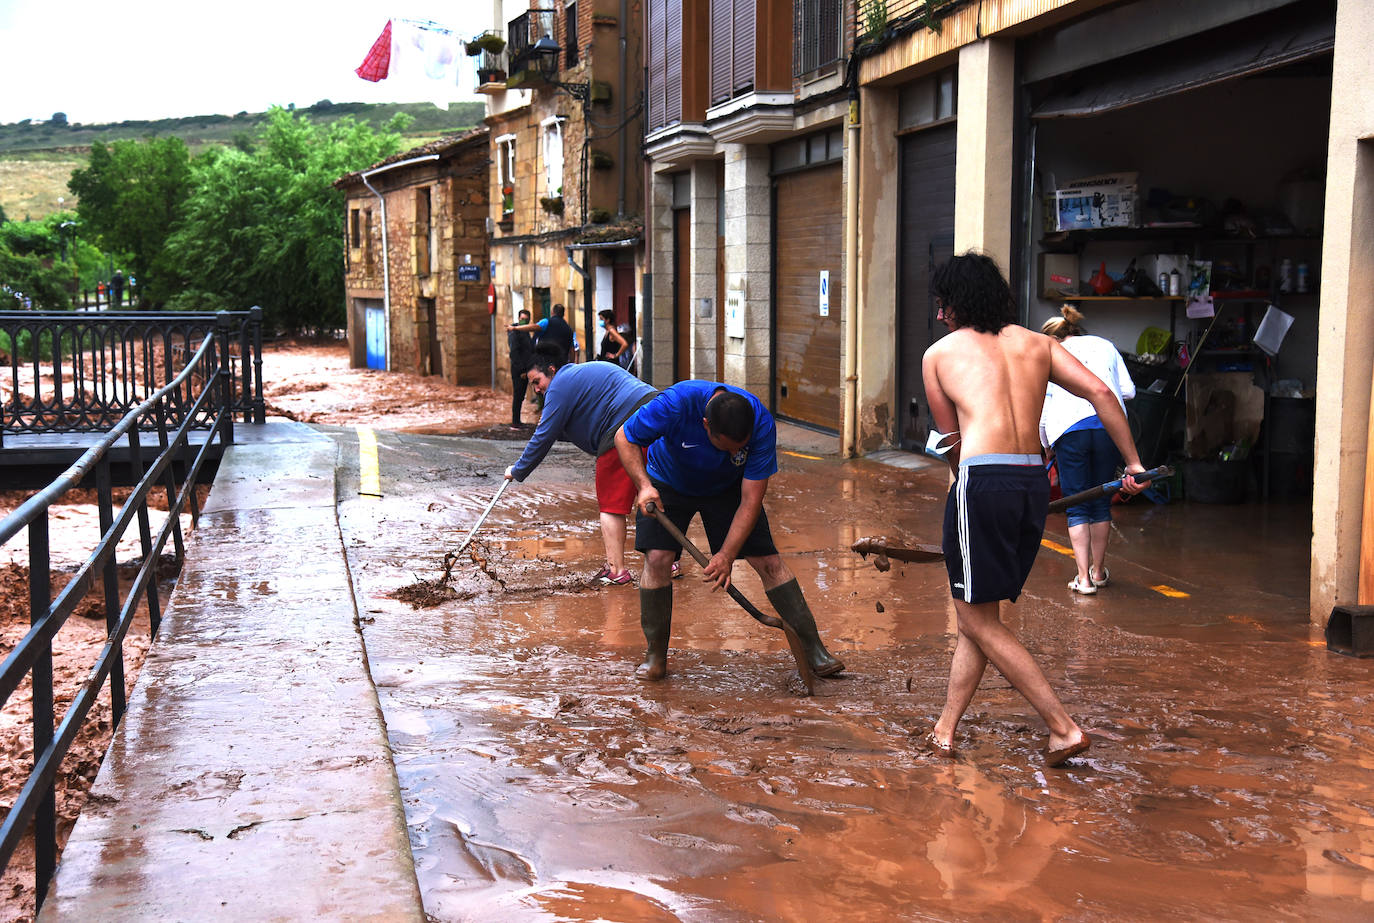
x=808 y=265
x=926 y=239
x=375 y=326
x=436 y=355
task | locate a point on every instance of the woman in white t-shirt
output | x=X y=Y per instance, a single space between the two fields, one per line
x=1083 y=451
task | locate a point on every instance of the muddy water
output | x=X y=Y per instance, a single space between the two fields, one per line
x=1232 y=776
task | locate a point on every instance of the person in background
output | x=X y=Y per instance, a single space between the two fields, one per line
x=585 y=405
x=554 y=327
x=1084 y=452
x=613 y=344
x=986 y=383
x=521 y=345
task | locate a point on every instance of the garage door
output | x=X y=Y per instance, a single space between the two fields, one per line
x=808 y=253
x=926 y=240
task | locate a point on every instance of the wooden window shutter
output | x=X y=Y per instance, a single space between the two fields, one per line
x=674 y=76
x=722 y=49
x=743 y=40
x=659 y=70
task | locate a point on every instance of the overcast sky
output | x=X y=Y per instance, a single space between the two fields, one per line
x=107 y=61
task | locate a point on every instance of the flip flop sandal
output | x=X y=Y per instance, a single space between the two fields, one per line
x=1084 y=589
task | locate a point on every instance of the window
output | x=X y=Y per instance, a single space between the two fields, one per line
x=355 y=230
x=425 y=250
x=928 y=100
x=815 y=35
x=570 y=36
x=367 y=238
x=553 y=157
x=505 y=172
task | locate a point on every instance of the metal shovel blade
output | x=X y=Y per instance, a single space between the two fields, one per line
x=794 y=642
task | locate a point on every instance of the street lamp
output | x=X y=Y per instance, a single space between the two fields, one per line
x=545 y=52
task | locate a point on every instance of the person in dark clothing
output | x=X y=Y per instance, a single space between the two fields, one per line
x=117 y=288
x=521 y=346
x=553 y=328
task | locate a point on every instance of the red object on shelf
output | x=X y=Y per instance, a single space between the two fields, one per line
x=1101 y=282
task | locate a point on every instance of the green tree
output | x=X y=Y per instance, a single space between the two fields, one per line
x=32 y=264
x=131 y=196
x=264 y=226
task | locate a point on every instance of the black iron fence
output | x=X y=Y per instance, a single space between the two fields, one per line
x=84 y=371
x=202 y=390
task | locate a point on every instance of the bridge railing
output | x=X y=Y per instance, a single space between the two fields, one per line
x=201 y=391
x=82 y=372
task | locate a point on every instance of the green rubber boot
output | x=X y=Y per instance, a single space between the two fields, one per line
x=656 y=618
x=791 y=605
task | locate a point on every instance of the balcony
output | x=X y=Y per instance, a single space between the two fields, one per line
x=526 y=29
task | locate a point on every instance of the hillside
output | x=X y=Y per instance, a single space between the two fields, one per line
x=36 y=158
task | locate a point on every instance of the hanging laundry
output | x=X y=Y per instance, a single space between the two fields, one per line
x=377 y=64
x=432 y=58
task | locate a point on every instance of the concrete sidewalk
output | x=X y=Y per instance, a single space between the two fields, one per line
x=251 y=777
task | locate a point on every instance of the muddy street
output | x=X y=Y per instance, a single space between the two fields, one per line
x=1230 y=778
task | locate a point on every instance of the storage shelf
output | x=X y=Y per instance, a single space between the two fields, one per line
x=1123 y=298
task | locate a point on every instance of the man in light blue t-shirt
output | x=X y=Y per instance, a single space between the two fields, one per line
x=711 y=449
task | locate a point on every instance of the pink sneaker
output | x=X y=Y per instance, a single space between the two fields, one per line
x=621 y=579
x=677 y=570
x=602 y=575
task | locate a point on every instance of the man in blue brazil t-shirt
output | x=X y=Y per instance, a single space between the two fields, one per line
x=711 y=450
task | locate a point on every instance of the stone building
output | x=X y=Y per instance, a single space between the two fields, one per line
x=567 y=177
x=417 y=270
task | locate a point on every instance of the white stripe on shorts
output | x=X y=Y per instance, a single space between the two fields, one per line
x=961 y=489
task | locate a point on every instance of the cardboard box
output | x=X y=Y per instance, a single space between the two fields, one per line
x=1058 y=275
x=1110 y=200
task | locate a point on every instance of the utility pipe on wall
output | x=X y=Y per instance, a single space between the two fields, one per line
x=386 y=253
x=849 y=443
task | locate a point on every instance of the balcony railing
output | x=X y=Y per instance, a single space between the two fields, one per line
x=526 y=29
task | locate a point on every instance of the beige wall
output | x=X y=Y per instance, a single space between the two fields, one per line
x=983 y=169
x=1344 y=358
x=879 y=211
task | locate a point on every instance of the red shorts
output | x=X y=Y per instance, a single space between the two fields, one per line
x=615 y=492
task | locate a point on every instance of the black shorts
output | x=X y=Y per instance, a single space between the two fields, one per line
x=994 y=520
x=717 y=513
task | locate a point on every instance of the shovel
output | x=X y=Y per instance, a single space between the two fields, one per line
x=452 y=557
x=882 y=546
x=794 y=642
x=1092 y=493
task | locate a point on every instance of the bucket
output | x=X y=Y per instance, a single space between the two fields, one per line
x=1214 y=481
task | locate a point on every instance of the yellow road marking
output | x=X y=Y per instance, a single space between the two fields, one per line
x=1055 y=546
x=369 y=474
x=800 y=455
x=1162 y=589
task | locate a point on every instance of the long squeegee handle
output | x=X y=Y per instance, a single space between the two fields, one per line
x=1092 y=493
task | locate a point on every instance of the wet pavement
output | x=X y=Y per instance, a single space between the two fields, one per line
x=1231 y=776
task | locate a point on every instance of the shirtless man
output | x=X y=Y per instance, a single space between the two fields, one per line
x=985 y=383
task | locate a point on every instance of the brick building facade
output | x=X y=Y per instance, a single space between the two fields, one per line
x=417 y=265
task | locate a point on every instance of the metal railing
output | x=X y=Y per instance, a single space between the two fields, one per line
x=96 y=367
x=522 y=32
x=32 y=657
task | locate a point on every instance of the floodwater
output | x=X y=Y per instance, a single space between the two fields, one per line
x=1231 y=778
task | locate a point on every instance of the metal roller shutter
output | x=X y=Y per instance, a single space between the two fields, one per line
x=809 y=237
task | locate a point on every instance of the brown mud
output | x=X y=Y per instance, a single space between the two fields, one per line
x=1230 y=776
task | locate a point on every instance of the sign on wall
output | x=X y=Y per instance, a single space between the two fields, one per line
x=734 y=312
x=825 y=293
x=469 y=273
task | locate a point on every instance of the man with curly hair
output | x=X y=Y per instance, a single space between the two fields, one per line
x=986 y=382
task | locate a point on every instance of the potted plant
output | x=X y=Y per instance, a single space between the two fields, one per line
x=552 y=204
x=508 y=198
x=598 y=216
x=490 y=75
x=489 y=42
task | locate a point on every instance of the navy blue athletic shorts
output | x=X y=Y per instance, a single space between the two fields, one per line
x=994 y=519
x=717 y=513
